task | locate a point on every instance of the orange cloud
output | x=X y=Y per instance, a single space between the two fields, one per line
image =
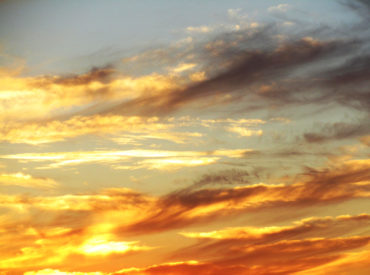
x=310 y=227
x=211 y=243
x=57 y=272
x=343 y=182
x=51 y=231
x=294 y=257
x=349 y=263
x=93 y=222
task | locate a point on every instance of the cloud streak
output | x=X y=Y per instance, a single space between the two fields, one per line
x=144 y=158
x=184 y=207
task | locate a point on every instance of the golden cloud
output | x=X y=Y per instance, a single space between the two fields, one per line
x=245 y=132
x=26 y=98
x=152 y=158
x=37 y=133
x=313 y=227
x=25 y=180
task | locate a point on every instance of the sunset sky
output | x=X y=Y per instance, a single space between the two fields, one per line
x=184 y=137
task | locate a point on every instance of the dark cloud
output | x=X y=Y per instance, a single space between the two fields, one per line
x=249 y=71
x=253 y=66
x=226 y=177
x=338 y=131
x=96 y=74
x=297 y=71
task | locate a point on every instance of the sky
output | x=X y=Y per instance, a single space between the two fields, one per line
x=184 y=137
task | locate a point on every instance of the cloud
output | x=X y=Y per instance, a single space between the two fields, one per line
x=226 y=177
x=198 y=76
x=104 y=201
x=101 y=246
x=279 y=8
x=245 y=132
x=47 y=252
x=188 y=206
x=183 y=67
x=57 y=130
x=246 y=72
x=307 y=246
x=42 y=97
x=263 y=67
x=144 y=158
x=49 y=271
x=199 y=29
x=96 y=74
x=235 y=13
x=181 y=268
x=25 y=180
x=172 y=163
x=119 y=128
x=338 y=131
x=198 y=204
x=40 y=232
x=232 y=122
x=253 y=66
x=354 y=262
x=308 y=265
x=250 y=65
x=314 y=227
x=97 y=225
x=365 y=140
x=301 y=264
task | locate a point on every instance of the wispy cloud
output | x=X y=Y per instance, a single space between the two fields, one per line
x=25 y=180
x=151 y=158
x=339 y=183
